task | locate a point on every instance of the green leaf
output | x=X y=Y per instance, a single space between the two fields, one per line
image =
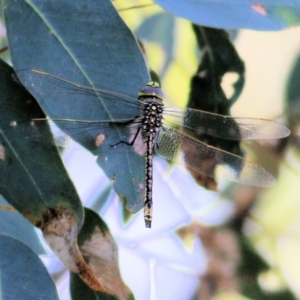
x=218 y=58
x=251 y=266
x=101 y=254
x=34 y=181
x=293 y=94
x=264 y=15
x=79 y=290
x=20 y=282
x=162 y=32
x=32 y=176
x=14 y=225
x=89 y=44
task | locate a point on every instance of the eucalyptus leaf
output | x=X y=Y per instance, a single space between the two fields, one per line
x=16 y=226
x=265 y=15
x=293 y=96
x=101 y=254
x=22 y=274
x=89 y=45
x=32 y=176
x=34 y=181
x=218 y=58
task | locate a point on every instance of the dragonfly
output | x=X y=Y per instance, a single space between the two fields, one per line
x=146 y=127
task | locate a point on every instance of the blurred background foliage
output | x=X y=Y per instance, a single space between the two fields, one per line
x=268 y=218
x=251 y=247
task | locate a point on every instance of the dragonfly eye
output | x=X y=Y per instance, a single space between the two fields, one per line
x=154 y=84
x=151 y=89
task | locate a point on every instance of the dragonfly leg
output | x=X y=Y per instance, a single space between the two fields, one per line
x=127 y=143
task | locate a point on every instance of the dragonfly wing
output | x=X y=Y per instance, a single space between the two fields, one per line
x=61 y=99
x=225 y=127
x=73 y=98
x=209 y=160
x=93 y=134
x=43 y=131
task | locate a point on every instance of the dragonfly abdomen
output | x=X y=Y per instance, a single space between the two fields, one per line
x=151 y=125
x=148 y=182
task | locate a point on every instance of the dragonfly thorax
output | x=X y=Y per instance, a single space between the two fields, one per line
x=151 y=116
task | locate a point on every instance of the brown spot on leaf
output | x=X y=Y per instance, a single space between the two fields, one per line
x=2 y=152
x=113 y=179
x=88 y=276
x=7 y=208
x=27 y=213
x=261 y=9
x=101 y=252
x=56 y=221
x=60 y=229
x=99 y=139
x=13 y=124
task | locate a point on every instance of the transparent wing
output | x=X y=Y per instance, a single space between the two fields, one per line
x=106 y=105
x=224 y=126
x=93 y=134
x=210 y=161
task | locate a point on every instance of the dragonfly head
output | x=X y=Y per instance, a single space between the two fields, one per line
x=151 y=89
